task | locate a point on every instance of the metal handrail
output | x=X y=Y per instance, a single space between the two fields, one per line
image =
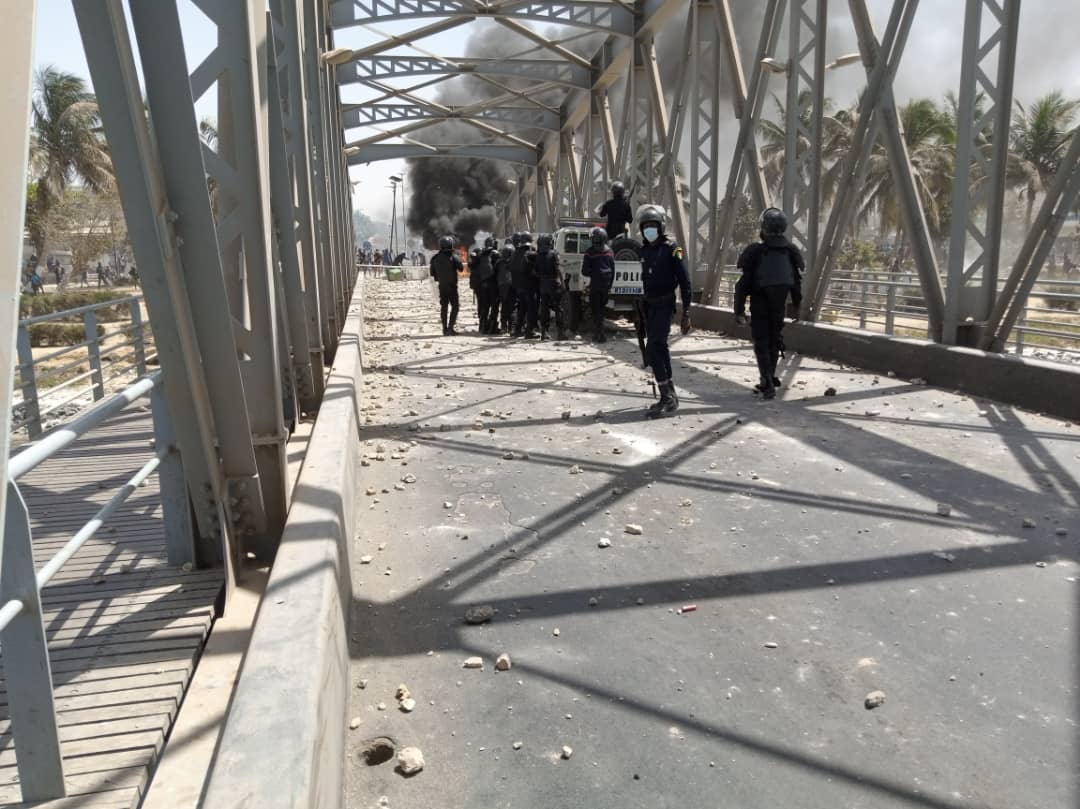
x=64 y=436
x=78 y=310
x=124 y=346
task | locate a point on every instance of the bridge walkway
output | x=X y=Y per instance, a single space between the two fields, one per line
x=805 y=533
x=125 y=629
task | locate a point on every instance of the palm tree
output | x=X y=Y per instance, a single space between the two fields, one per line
x=835 y=130
x=65 y=143
x=1040 y=137
x=930 y=135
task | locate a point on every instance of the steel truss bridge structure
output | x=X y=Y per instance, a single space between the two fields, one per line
x=245 y=245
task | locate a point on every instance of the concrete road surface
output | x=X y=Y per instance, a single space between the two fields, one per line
x=791 y=560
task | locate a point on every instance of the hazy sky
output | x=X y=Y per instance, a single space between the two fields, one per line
x=1049 y=58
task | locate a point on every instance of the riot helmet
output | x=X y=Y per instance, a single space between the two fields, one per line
x=598 y=236
x=446 y=243
x=773 y=222
x=618 y=190
x=545 y=242
x=516 y=239
x=651 y=215
x=524 y=239
x=490 y=243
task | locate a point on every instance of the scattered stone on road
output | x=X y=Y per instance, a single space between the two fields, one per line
x=474 y=663
x=567 y=752
x=517 y=745
x=355 y=722
x=402 y=692
x=1028 y=522
x=830 y=391
x=555 y=632
x=408 y=705
x=447 y=505
x=944 y=509
x=502 y=662
x=606 y=543
x=575 y=470
x=770 y=644
x=634 y=529
x=410 y=760
x=875 y=699
x=479 y=615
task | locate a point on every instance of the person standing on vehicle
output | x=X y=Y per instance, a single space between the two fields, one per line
x=506 y=289
x=483 y=283
x=771 y=270
x=526 y=287
x=552 y=286
x=663 y=270
x=618 y=212
x=598 y=265
x=445 y=266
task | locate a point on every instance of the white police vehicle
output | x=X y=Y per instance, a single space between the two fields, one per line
x=571 y=242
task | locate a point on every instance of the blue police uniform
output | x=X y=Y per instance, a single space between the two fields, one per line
x=663 y=271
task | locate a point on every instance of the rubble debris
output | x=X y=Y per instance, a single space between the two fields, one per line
x=474 y=663
x=633 y=529
x=875 y=699
x=480 y=614
x=502 y=662
x=410 y=760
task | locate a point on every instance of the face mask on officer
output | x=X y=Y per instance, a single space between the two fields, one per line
x=651 y=233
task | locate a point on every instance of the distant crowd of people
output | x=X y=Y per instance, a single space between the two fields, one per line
x=105 y=275
x=385 y=258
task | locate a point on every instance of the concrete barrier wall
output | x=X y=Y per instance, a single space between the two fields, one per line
x=284 y=740
x=1046 y=387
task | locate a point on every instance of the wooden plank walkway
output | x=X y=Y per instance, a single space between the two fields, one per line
x=125 y=629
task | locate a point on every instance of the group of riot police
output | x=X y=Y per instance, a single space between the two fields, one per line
x=518 y=286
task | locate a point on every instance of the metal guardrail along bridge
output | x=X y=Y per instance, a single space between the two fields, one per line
x=247 y=257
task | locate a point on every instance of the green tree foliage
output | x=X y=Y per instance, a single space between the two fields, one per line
x=66 y=144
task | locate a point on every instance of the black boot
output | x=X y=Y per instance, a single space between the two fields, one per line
x=765 y=370
x=666 y=405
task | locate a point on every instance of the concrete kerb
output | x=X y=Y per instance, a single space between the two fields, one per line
x=284 y=739
x=1045 y=387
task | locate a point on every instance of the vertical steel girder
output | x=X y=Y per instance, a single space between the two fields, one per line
x=16 y=58
x=882 y=64
x=287 y=50
x=746 y=160
x=326 y=254
x=163 y=189
x=661 y=126
x=807 y=25
x=298 y=361
x=240 y=166
x=990 y=33
x=704 y=94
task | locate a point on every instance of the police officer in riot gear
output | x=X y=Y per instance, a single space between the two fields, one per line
x=552 y=286
x=445 y=266
x=618 y=212
x=598 y=265
x=505 y=285
x=663 y=271
x=484 y=284
x=526 y=287
x=771 y=270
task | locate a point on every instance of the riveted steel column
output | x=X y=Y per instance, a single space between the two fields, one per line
x=287 y=43
x=317 y=126
x=162 y=184
x=27 y=673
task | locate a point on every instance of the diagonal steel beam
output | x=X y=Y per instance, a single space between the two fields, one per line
x=391 y=41
x=882 y=70
x=911 y=209
x=543 y=42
